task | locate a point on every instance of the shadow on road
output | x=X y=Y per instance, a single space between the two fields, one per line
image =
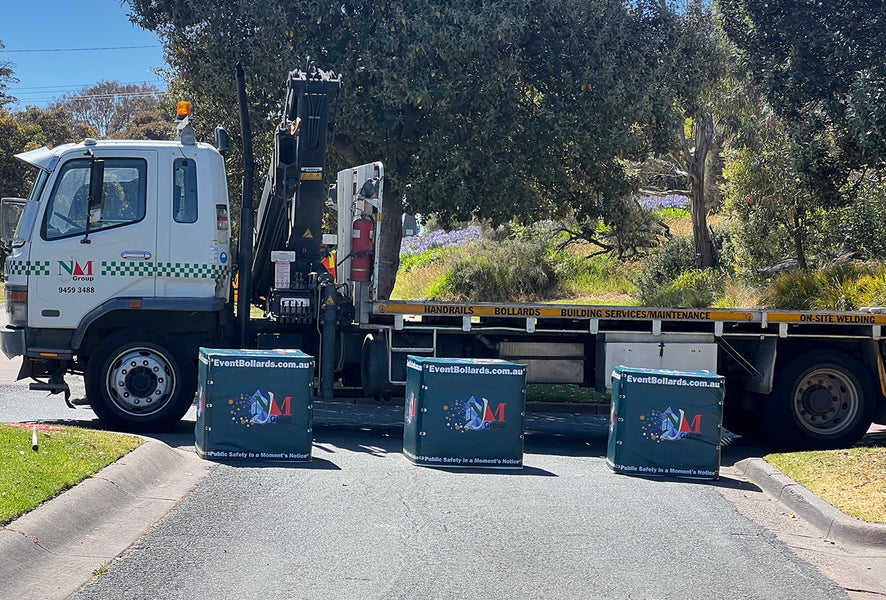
x=315 y=464
x=377 y=429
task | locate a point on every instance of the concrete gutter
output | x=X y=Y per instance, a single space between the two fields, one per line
x=831 y=522
x=51 y=552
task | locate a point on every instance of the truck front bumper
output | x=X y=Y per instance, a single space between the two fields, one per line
x=12 y=341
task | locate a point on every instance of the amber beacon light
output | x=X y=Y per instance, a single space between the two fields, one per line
x=183 y=110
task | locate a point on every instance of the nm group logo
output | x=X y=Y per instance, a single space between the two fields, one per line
x=669 y=426
x=474 y=415
x=260 y=408
x=410 y=408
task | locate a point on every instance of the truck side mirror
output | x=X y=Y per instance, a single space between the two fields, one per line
x=96 y=183
x=222 y=140
x=11 y=211
x=96 y=190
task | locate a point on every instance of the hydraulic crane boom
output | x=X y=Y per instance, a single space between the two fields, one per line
x=291 y=208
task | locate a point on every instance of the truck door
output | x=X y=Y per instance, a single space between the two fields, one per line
x=193 y=251
x=91 y=254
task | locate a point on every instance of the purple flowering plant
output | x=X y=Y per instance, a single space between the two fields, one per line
x=665 y=202
x=439 y=239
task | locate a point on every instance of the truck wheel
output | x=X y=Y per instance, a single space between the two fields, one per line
x=374 y=366
x=821 y=400
x=139 y=382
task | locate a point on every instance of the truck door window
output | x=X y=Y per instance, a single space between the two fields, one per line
x=184 y=190
x=122 y=201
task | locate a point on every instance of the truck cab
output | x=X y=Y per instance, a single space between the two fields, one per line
x=117 y=242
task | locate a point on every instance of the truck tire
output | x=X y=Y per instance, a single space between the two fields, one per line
x=821 y=400
x=136 y=381
x=374 y=366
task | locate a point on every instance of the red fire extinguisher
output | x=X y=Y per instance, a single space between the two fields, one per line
x=362 y=247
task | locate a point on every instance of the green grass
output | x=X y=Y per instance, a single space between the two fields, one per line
x=64 y=457
x=596 y=280
x=597 y=299
x=853 y=480
x=543 y=392
x=672 y=214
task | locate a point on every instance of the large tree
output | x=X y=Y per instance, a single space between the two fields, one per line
x=7 y=76
x=29 y=129
x=115 y=109
x=820 y=66
x=493 y=110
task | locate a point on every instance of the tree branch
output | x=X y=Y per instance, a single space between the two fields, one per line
x=663 y=193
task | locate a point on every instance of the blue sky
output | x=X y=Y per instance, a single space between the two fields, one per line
x=70 y=24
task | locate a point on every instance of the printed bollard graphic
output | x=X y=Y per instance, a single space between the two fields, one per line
x=464 y=412
x=665 y=423
x=255 y=405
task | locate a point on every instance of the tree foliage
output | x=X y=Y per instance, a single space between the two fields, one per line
x=119 y=110
x=701 y=68
x=7 y=76
x=807 y=124
x=496 y=110
x=25 y=130
x=820 y=66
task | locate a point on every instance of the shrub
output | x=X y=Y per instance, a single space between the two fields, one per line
x=794 y=290
x=514 y=270
x=408 y=262
x=662 y=267
x=876 y=289
x=738 y=293
x=860 y=224
x=695 y=288
x=847 y=286
x=589 y=275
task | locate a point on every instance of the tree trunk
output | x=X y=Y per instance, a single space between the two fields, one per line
x=695 y=166
x=355 y=154
x=798 y=234
x=389 y=246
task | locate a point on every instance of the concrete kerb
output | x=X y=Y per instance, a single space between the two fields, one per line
x=55 y=549
x=831 y=522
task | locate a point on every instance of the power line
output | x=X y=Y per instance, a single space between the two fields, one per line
x=77 y=49
x=92 y=96
x=124 y=95
x=72 y=86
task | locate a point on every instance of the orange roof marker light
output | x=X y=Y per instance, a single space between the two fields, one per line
x=183 y=110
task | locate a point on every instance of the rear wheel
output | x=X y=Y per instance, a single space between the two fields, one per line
x=821 y=400
x=374 y=366
x=140 y=382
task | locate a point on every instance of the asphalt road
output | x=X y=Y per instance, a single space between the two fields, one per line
x=362 y=522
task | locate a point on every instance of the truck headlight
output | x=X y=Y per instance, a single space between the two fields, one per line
x=17 y=306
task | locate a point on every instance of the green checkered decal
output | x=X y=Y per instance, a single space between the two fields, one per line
x=27 y=267
x=191 y=270
x=128 y=269
x=172 y=270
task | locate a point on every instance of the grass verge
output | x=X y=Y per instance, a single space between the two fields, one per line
x=853 y=480
x=64 y=457
x=544 y=392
